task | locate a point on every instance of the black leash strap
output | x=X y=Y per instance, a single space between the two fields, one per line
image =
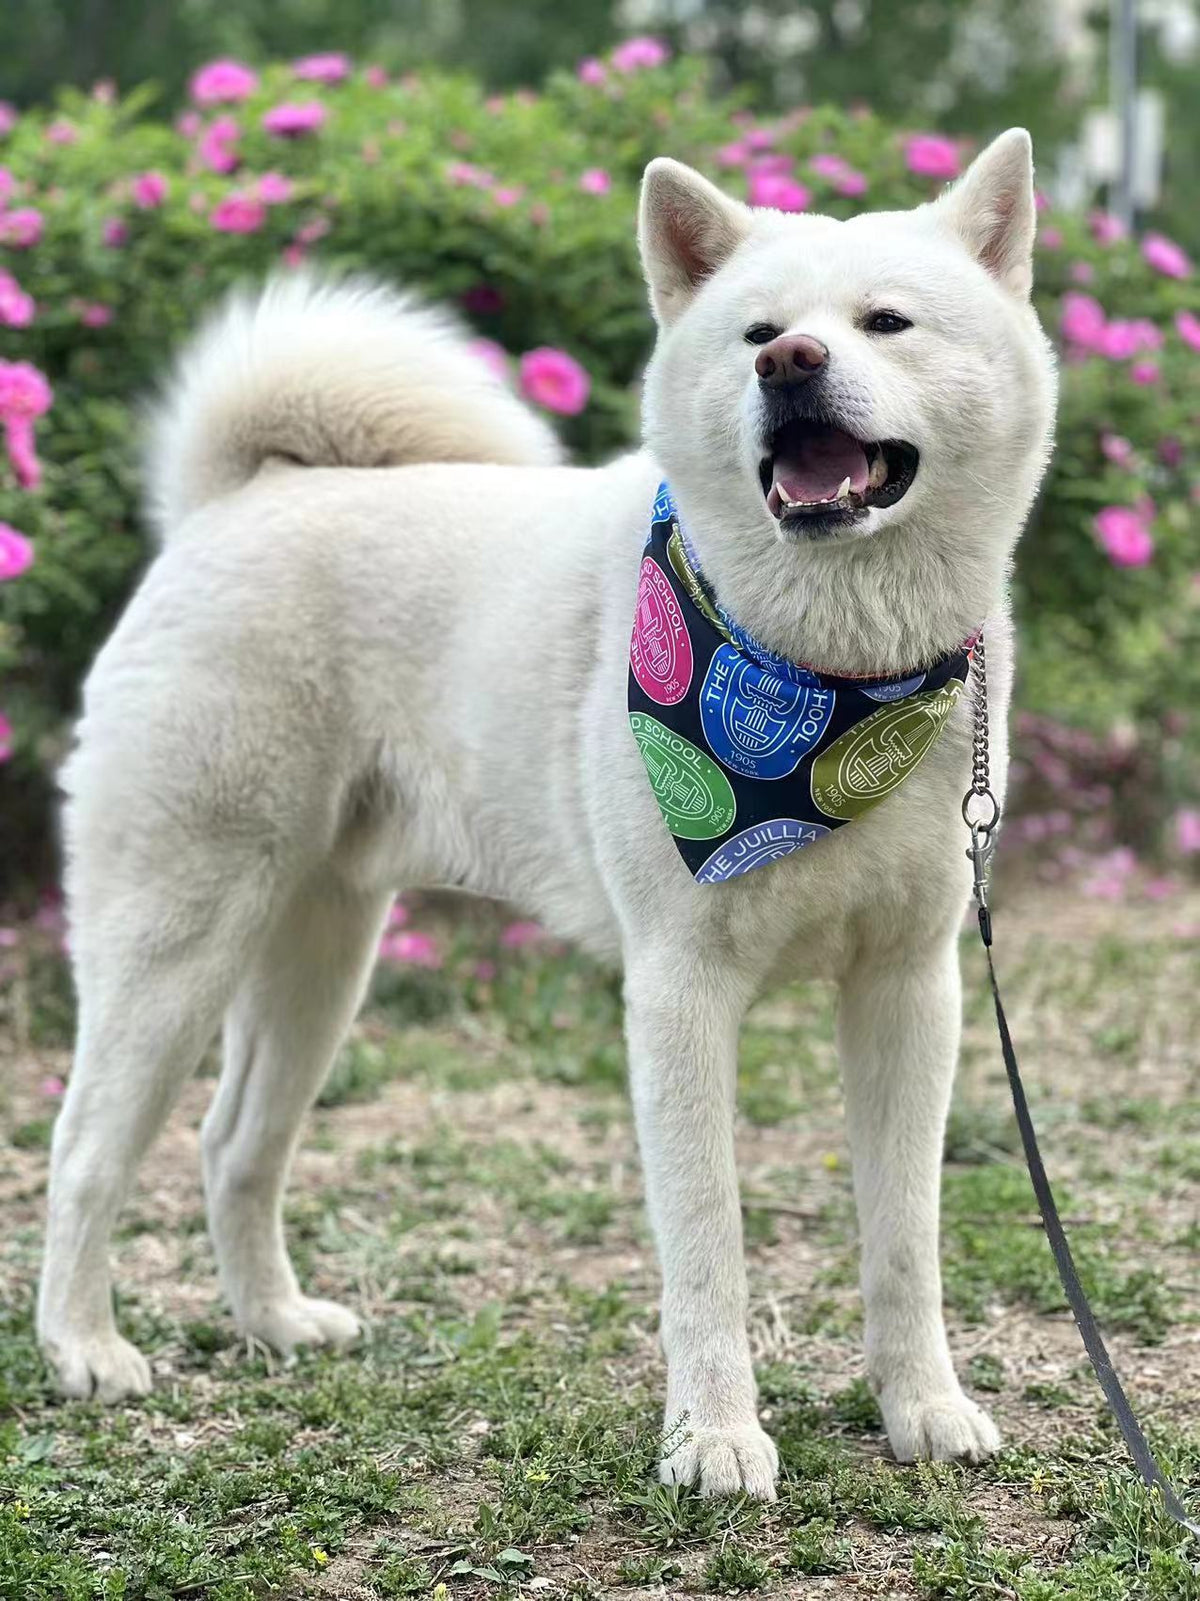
x=982 y=845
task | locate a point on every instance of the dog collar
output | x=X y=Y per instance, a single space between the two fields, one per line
x=751 y=756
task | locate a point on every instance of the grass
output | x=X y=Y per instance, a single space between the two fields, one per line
x=469 y=1181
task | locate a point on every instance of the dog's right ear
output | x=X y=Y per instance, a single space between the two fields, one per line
x=686 y=229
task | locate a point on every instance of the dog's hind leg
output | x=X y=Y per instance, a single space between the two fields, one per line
x=286 y=1021
x=156 y=956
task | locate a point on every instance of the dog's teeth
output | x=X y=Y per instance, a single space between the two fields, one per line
x=844 y=488
x=878 y=474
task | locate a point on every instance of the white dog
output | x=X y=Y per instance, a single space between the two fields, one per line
x=386 y=645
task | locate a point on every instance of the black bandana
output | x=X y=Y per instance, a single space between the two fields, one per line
x=750 y=756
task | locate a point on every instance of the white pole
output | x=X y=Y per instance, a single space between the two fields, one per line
x=1122 y=68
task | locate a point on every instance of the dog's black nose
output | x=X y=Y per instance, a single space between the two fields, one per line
x=790 y=359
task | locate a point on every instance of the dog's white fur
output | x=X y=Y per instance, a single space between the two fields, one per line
x=385 y=646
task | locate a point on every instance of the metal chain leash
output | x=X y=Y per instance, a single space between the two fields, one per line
x=980 y=808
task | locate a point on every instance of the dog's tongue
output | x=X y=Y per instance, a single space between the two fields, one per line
x=816 y=462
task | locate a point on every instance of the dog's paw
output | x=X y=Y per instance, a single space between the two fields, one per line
x=948 y=1427
x=724 y=1462
x=101 y=1367
x=285 y=1325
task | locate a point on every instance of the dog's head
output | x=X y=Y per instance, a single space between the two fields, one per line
x=824 y=384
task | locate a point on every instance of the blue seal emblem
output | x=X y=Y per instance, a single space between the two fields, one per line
x=756 y=722
x=758 y=845
x=896 y=691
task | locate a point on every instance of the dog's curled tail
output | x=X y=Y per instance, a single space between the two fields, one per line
x=327 y=374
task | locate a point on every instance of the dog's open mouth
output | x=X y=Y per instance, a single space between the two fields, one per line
x=818 y=477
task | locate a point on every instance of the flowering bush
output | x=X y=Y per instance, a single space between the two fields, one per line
x=117 y=229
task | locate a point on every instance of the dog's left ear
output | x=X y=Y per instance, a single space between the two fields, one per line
x=991 y=208
x=686 y=229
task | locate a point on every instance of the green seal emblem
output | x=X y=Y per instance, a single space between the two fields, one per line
x=692 y=792
x=868 y=761
x=677 y=556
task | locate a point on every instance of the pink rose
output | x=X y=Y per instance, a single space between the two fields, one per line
x=507 y=194
x=1118 y=340
x=114 y=233
x=1050 y=239
x=149 y=190
x=635 y=54
x=930 y=155
x=24 y=391
x=375 y=77
x=411 y=949
x=8 y=118
x=6 y=738
x=223 y=83
x=1187 y=830
x=463 y=175
x=1082 y=272
x=554 y=380
x=17 y=309
x=217 y=142
x=733 y=155
x=521 y=934
x=62 y=132
x=16 y=553
x=273 y=188
x=331 y=67
x=1083 y=321
x=1187 y=326
x=8 y=185
x=777 y=191
x=595 y=181
x=95 y=315
x=492 y=355
x=238 y=213
x=1165 y=256
x=591 y=71
x=22 y=229
x=1123 y=533
x=1145 y=372
x=1116 y=449
x=1106 y=229
x=295 y=118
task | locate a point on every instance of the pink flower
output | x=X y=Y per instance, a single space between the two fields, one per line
x=149 y=190
x=223 y=82
x=463 y=175
x=1159 y=889
x=8 y=118
x=1187 y=326
x=62 y=132
x=507 y=194
x=1123 y=533
x=115 y=232
x=1116 y=449
x=1082 y=272
x=16 y=553
x=8 y=186
x=1187 y=830
x=1050 y=239
x=1110 y=880
x=22 y=228
x=411 y=949
x=294 y=118
x=331 y=67
x=733 y=155
x=521 y=934
x=930 y=155
x=1170 y=451
x=777 y=191
x=491 y=355
x=1145 y=372
x=595 y=181
x=6 y=738
x=398 y=915
x=1106 y=229
x=51 y=1088
x=1083 y=320
x=189 y=124
x=1165 y=256
x=554 y=380
x=16 y=307
x=24 y=396
x=591 y=71
x=95 y=314
x=375 y=77
x=273 y=188
x=216 y=147
x=484 y=972
x=643 y=51
x=1118 y=340
x=238 y=213
x=1041 y=201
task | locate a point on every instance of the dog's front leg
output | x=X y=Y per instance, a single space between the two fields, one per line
x=682 y=1022
x=899 y=1029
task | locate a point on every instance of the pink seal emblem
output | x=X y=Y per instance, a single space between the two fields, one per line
x=660 y=652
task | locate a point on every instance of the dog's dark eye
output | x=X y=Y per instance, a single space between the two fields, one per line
x=760 y=333
x=886 y=322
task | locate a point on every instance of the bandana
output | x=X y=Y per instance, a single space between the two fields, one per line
x=751 y=757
